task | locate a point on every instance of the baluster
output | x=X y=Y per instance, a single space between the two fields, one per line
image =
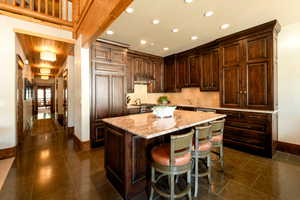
x=59 y=9
x=46 y=7
x=67 y=14
x=22 y=3
x=39 y=5
x=53 y=8
x=14 y=2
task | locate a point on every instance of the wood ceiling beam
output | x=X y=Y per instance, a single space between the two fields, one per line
x=96 y=16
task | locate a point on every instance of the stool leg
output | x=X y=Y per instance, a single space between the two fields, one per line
x=189 y=174
x=152 y=182
x=209 y=168
x=222 y=156
x=196 y=174
x=172 y=186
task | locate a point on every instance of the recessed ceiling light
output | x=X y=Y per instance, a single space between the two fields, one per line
x=188 y=1
x=208 y=13
x=143 y=41
x=175 y=30
x=155 y=21
x=109 y=32
x=194 y=37
x=166 y=49
x=129 y=10
x=26 y=62
x=224 y=26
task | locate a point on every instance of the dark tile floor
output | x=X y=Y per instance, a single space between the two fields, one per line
x=48 y=168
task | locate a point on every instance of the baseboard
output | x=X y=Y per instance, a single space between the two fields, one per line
x=79 y=145
x=7 y=153
x=288 y=147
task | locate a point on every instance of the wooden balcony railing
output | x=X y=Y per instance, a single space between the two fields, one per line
x=54 y=11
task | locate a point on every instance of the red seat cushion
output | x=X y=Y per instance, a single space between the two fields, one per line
x=161 y=155
x=217 y=138
x=204 y=146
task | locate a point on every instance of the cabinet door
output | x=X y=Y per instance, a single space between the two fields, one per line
x=101 y=97
x=194 y=70
x=182 y=72
x=170 y=74
x=258 y=74
x=157 y=85
x=206 y=71
x=230 y=57
x=118 y=56
x=101 y=52
x=215 y=71
x=130 y=74
x=117 y=99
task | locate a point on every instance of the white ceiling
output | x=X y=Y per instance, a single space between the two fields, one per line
x=190 y=20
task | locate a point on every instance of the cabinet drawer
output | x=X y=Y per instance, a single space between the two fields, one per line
x=246 y=125
x=245 y=136
x=231 y=115
x=256 y=116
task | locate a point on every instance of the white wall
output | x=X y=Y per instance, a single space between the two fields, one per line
x=82 y=91
x=289 y=83
x=8 y=72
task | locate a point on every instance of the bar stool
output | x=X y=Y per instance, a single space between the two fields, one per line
x=217 y=139
x=172 y=160
x=201 y=150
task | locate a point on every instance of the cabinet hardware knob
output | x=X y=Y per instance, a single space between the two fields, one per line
x=245 y=92
x=241 y=92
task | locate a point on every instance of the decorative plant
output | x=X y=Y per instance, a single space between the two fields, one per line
x=163 y=100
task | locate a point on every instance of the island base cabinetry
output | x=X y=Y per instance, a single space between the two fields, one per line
x=251 y=132
x=126 y=161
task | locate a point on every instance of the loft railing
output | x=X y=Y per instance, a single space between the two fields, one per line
x=54 y=11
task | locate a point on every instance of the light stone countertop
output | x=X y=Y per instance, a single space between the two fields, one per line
x=148 y=126
x=216 y=108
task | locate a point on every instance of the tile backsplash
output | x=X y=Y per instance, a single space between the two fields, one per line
x=187 y=96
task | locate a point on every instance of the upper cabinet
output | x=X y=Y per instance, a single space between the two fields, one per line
x=147 y=66
x=170 y=74
x=249 y=69
x=209 y=70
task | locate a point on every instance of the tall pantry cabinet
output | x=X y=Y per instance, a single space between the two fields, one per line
x=108 y=86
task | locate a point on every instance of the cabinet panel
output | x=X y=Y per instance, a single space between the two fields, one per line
x=130 y=74
x=102 y=53
x=182 y=72
x=194 y=70
x=158 y=76
x=102 y=96
x=231 y=54
x=231 y=86
x=118 y=56
x=170 y=74
x=206 y=71
x=117 y=95
x=257 y=87
x=256 y=48
x=98 y=136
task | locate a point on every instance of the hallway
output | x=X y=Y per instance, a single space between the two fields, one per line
x=48 y=167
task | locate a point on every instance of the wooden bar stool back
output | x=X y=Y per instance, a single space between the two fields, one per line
x=217 y=139
x=202 y=148
x=171 y=160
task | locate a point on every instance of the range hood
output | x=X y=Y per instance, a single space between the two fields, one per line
x=143 y=78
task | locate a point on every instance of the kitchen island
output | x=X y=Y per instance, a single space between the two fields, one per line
x=129 y=140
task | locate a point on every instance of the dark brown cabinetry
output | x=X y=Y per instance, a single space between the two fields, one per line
x=152 y=67
x=170 y=74
x=248 y=71
x=108 y=91
x=251 y=132
x=209 y=70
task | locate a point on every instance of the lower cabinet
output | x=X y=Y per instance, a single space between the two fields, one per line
x=251 y=132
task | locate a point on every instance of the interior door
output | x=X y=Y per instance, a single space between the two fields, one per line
x=230 y=59
x=257 y=88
